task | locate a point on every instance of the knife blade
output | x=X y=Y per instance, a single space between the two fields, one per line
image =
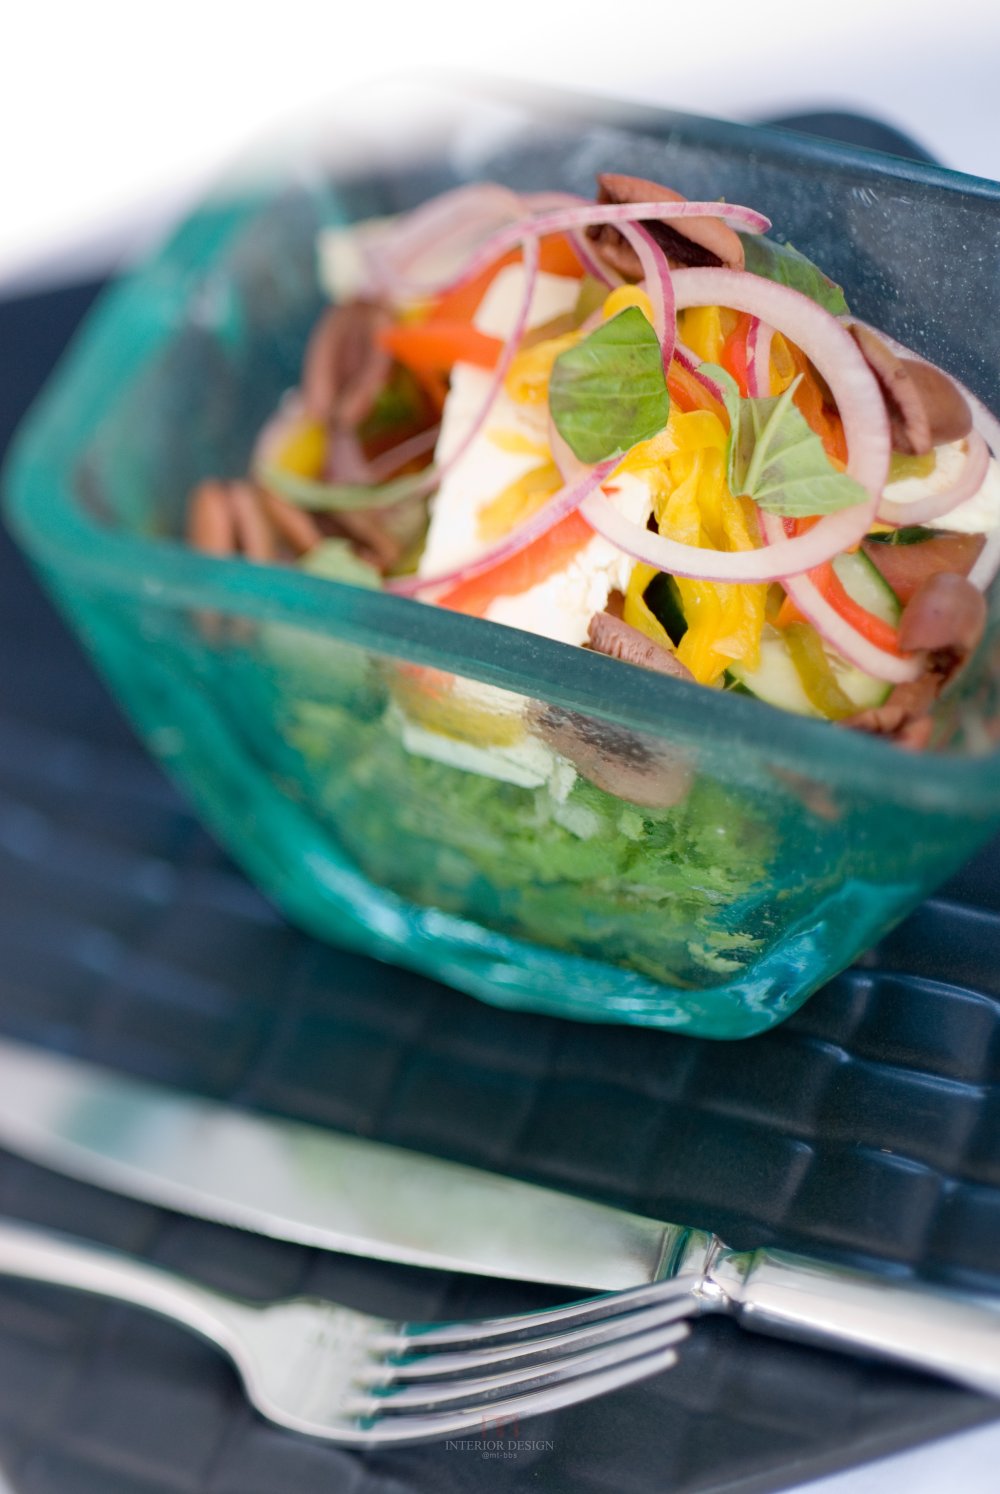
x=299 y=1182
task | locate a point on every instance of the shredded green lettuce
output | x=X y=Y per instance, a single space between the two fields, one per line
x=669 y=893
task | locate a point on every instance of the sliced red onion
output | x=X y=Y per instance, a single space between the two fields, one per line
x=377 y=489
x=968 y=482
x=658 y=283
x=569 y=464
x=759 y=358
x=837 y=357
x=456 y=221
x=567 y=219
x=506 y=358
x=837 y=632
x=768 y=563
x=593 y=265
x=387 y=462
x=563 y=503
x=691 y=365
x=985 y=422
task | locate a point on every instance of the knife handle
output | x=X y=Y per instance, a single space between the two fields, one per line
x=796 y=1297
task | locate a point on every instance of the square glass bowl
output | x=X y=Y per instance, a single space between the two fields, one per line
x=670 y=855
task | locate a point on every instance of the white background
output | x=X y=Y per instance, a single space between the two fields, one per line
x=114 y=116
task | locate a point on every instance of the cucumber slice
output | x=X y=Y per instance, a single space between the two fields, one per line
x=865 y=584
x=863 y=689
x=664 y=601
x=776 y=680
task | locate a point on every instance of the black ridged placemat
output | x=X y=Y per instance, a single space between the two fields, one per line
x=866 y=1127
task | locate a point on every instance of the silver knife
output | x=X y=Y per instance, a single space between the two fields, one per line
x=299 y=1182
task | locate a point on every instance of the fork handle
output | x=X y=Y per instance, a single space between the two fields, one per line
x=796 y=1297
x=47 y=1256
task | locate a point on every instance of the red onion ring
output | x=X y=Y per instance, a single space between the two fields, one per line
x=986 y=423
x=658 y=283
x=506 y=358
x=968 y=481
x=382 y=467
x=564 y=220
x=474 y=211
x=838 y=633
x=759 y=358
x=563 y=503
x=311 y=493
x=691 y=365
x=593 y=265
x=837 y=357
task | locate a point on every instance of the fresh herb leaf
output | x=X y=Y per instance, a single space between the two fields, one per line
x=784 y=263
x=740 y=431
x=609 y=391
x=334 y=560
x=911 y=534
x=333 y=497
x=776 y=458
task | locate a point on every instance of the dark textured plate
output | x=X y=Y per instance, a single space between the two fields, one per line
x=866 y=1128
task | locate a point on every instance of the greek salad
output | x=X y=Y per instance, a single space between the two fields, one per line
x=641 y=425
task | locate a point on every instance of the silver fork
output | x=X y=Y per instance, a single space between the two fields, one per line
x=334 y=1372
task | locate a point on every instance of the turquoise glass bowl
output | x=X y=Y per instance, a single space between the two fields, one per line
x=780 y=848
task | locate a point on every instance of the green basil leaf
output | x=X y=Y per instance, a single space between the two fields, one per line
x=609 y=391
x=776 y=458
x=784 y=263
x=738 y=453
x=788 y=472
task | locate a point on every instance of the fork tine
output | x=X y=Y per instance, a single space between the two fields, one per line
x=579 y=1336
x=588 y=1309
x=485 y=1387
x=425 y=1427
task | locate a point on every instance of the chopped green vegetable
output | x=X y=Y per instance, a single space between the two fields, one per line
x=328 y=497
x=784 y=263
x=609 y=391
x=776 y=458
x=671 y=893
x=911 y=534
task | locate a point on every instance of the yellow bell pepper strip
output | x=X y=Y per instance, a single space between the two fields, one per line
x=813 y=668
x=517 y=502
x=303 y=452
x=637 y=611
x=527 y=381
x=704 y=329
x=692 y=503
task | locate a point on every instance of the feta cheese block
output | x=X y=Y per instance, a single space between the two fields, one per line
x=513 y=441
x=488 y=466
x=562 y=605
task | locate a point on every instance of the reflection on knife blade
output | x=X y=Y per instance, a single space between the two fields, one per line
x=299 y=1182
